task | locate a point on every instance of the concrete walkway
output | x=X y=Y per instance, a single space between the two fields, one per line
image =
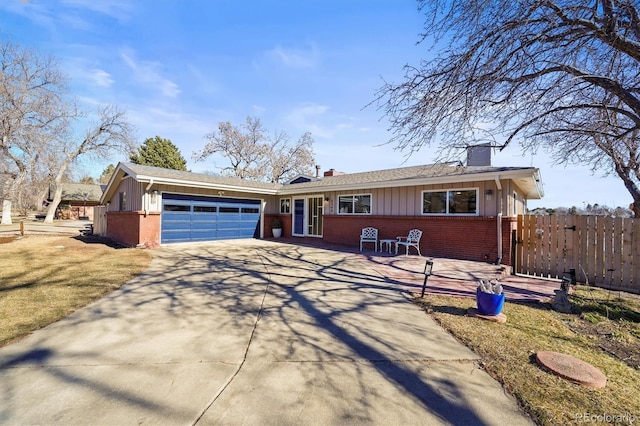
x=249 y=332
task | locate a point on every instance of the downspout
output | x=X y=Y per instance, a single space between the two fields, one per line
x=146 y=197
x=499 y=222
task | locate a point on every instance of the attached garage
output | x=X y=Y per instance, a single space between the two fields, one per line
x=186 y=218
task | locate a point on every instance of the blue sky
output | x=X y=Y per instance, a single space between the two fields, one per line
x=181 y=66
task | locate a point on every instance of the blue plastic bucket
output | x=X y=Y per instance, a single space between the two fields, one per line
x=489 y=304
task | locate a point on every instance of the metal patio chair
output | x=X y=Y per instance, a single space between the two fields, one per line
x=369 y=235
x=411 y=240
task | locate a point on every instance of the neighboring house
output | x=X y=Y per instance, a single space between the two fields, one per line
x=78 y=200
x=465 y=212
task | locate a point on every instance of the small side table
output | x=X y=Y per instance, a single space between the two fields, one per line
x=389 y=244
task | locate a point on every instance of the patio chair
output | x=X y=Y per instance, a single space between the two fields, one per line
x=369 y=235
x=411 y=240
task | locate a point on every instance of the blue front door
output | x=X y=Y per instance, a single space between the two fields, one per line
x=298 y=217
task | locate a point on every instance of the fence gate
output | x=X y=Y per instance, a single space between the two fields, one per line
x=604 y=251
x=100 y=221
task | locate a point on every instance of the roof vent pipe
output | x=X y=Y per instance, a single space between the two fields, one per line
x=317 y=170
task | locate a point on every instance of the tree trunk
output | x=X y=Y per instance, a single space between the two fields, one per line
x=53 y=206
x=6 y=212
x=10 y=196
x=57 y=196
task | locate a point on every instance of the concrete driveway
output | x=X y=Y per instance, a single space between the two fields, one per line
x=249 y=332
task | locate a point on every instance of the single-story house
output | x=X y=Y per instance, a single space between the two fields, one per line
x=465 y=211
x=78 y=200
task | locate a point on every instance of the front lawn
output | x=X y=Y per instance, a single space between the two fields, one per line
x=603 y=330
x=45 y=278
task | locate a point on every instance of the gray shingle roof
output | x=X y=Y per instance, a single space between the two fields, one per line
x=388 y=175
x=414 y=175
x=79 y=192
x=398 y=175
x=178 y=175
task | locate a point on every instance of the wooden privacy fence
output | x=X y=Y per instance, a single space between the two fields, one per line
x=100 y=220
x=603 y=251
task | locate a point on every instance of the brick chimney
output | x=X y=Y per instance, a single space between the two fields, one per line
x=479 y=155
x=332 y=172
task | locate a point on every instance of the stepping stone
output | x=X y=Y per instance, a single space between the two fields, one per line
x=572 y=369
x=500 y=318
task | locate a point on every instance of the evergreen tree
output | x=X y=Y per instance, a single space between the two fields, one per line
x=159 y=152
x=106 y=174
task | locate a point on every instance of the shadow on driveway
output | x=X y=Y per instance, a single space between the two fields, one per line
x=249 y=332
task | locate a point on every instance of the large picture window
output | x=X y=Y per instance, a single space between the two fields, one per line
x=354 y=204
x=454 y=202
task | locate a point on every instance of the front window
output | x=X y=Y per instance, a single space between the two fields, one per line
x=122 y=201
x=453 y=202
x=354 y=204
x=285 y=205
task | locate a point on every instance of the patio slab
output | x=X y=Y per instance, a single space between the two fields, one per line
x=450 y=277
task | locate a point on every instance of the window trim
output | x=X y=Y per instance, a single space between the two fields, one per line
x=282 y=205
x=447 y=191
x=353 y=197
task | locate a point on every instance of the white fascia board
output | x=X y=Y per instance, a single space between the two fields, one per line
x=108 y=191
x=205 y=185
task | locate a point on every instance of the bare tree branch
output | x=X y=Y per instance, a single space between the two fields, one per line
x=37 y=119
x=558 y=74
x=253 y=154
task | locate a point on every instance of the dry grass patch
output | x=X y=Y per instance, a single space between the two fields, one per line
x=508 y=354
x=44 y=279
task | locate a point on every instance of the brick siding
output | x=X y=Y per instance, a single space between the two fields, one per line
x=467 y=238
x=133 y=228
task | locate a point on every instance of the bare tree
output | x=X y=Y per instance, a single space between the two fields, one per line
x=32 y=109
x=558 y=75
x=37 y=119
x=285 y=159
x=111 y=132
x=255 y=155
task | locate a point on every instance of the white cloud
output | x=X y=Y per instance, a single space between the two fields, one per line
x=146 y=72
x=69 y=12
x=118 y=9
x=309 y=117
x=101 y=78
x=205 y=82
x=293 y=58
x=257 y=109
x=87 y=71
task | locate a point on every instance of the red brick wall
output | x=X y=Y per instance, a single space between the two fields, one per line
x=150 y=230
x=123 y=227
x=468 y=238
x=285 y=219
x=133 y=228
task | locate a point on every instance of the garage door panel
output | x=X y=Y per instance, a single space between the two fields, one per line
x=201 y=225
x=207 y=235
x=199 y=218
x=178 y=225
x=176 y=237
